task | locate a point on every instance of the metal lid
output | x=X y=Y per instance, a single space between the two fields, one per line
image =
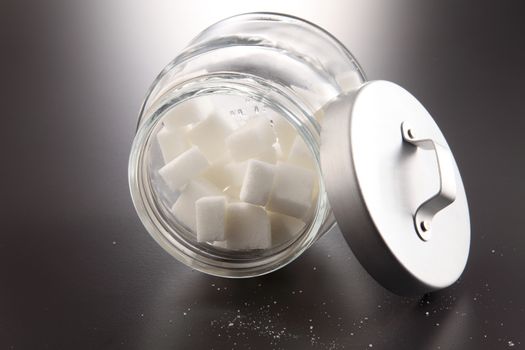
x=395 y=189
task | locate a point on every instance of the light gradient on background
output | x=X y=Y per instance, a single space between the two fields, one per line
x=80 y=272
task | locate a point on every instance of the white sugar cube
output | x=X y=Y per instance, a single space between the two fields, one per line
x=300 y=154
x=218 y=174
x=236 y=171
x=220 y=244
x=187 y=112
x=247 y=227
x=184 y=207
x=172 y=142
x=233 y=193
x=188 y=165
x=210 y=134
x=210 y=214
x=319 y=114
x=258 y=182
x=252 y=139
x=349 y=80
x=308 y=215
x=268 y=156
x=284 y=227
x=285 y=133
x=292 y=190
x=225 y=173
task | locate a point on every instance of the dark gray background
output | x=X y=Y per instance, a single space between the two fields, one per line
x=78 y=270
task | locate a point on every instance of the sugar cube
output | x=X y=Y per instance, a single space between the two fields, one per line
x=268 y=156
x=172 y=142
x=184 y=167
x=218 y=174
x=284 y=227
x=210 y=135
x=252 y=139
x=233 y=193
x=300 y=154
x=258 y=182
x=220 y=244
x=285 y=133
x=247 y=227
x=349 y=80
x=187 y=112
x=236 y=171
x=184 y=207
x=210 y=214
x=319 y=115
x=292 y=190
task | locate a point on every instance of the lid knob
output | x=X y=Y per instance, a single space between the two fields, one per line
x=446 y=194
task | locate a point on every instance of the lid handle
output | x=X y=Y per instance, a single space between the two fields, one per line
x=447 y=182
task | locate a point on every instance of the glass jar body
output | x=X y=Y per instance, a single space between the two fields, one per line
x=255 y=62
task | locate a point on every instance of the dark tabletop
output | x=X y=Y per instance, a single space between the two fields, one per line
x=79 y=271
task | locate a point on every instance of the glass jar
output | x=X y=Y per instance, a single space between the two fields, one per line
x=252 y=65
x=265 y=67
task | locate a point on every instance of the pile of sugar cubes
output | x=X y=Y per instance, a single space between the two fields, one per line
x=243 y=185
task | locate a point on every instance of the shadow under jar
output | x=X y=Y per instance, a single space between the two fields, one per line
x=275 y=99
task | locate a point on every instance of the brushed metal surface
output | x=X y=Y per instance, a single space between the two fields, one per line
x=376 y=182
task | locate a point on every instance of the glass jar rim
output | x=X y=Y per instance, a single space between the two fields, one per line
x=167 y=237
